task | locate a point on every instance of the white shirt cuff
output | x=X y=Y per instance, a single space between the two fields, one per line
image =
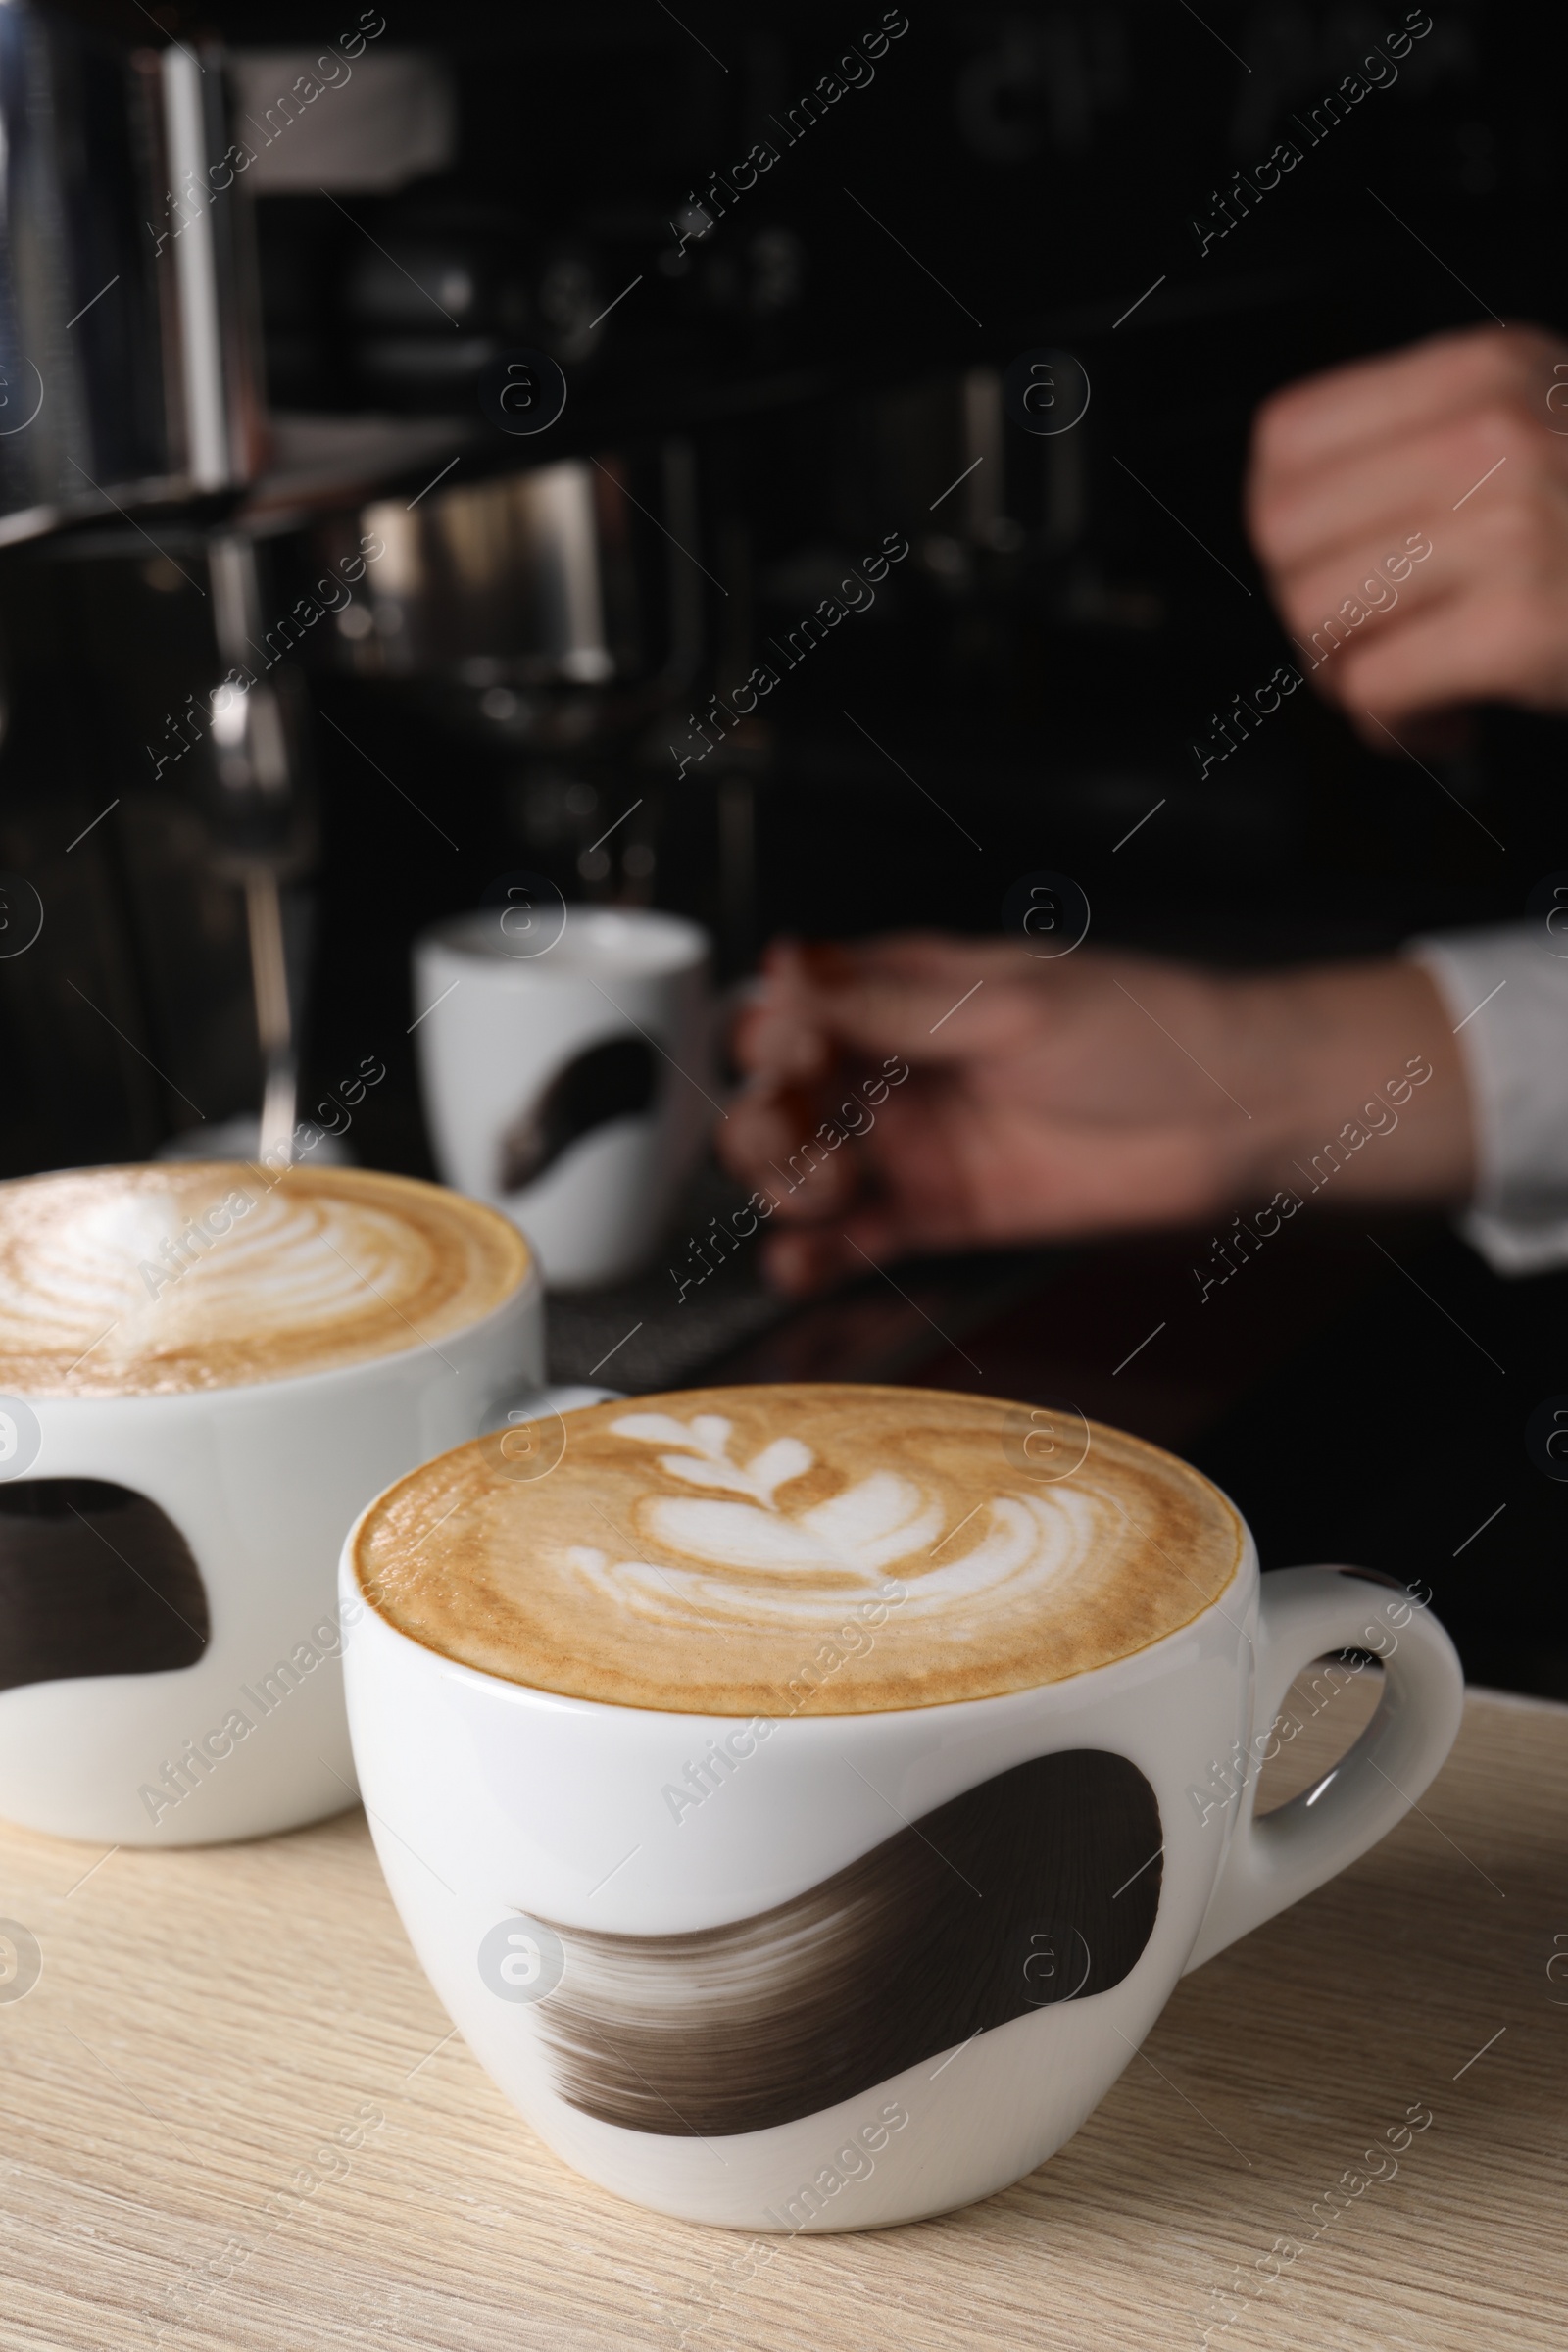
x=1507 y=991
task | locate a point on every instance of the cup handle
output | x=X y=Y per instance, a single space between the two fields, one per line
x=1304 y=1613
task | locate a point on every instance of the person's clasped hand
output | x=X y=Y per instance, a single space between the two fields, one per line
x=1459 y=443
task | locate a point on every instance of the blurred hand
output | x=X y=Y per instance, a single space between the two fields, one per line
x=1362 y=465
x=1046 y=1099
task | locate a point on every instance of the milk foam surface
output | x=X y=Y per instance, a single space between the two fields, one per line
x=270 y=1275
x=797 y=1549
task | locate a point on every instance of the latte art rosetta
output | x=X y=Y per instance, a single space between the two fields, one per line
x=818 y=1550
x=781 y=1568
x=132 y=1281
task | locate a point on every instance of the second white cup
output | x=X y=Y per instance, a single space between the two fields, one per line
x=567 y=1070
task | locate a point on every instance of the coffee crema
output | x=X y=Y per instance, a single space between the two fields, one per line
x=814 y=1550
x=210 y=1274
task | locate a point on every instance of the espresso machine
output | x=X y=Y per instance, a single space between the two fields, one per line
x=190 y=564
x=413 y=446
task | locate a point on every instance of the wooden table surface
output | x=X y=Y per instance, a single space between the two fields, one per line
x=206 y=2020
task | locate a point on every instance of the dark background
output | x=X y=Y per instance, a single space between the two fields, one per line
x=1035 y=671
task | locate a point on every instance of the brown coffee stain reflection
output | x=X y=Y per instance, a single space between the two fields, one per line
x=1039 y=1885
x=94 y=1579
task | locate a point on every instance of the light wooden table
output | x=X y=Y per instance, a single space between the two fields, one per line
x=204 y=2021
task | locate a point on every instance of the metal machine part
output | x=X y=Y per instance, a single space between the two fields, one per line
x=554 y=606
x=128 y=342
x=274 y=1027
x=255 y=810
x=257 y=813
x=129 y=377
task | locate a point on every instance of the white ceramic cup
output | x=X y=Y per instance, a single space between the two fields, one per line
x=518 y=1831
x=260 y=1480
x=564 y=1057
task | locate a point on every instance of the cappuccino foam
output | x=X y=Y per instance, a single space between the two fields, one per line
x=821 y=1549
x=204 y=1274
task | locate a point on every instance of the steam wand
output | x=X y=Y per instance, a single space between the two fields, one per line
x=259 y=818
x=275 y=1026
